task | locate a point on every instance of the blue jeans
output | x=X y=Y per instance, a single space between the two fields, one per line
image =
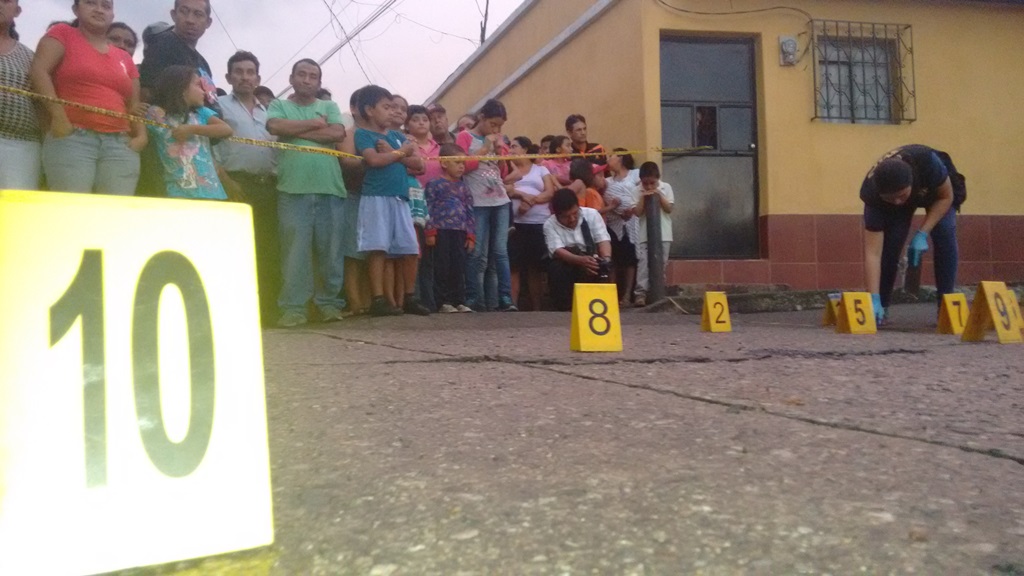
x=310 y=226
x=91 y=162
x=945 y=250
x=491 y=246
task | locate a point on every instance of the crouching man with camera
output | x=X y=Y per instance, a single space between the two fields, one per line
x=579 y=246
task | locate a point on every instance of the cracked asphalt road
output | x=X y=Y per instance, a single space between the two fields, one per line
x=478 y=444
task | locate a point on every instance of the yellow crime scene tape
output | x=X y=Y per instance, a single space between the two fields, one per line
x=330 y=152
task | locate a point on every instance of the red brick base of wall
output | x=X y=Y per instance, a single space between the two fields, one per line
x=821 y=252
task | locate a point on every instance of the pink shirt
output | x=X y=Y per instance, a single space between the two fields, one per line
x=560 y=169
x=88 y=76
x=430 y=153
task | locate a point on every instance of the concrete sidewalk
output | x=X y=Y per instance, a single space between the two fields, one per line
x=478 y=444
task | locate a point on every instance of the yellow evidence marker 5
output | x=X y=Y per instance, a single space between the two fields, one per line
x=596 y=325
x=953 y=314
x=994 y=307
x=133 y=424
x=715 y=315
x=856 y=314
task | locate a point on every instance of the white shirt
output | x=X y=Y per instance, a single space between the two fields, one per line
x=623 y=191
x=666 y=218
x=236 y=157
x=532 y=184
x=557 y=236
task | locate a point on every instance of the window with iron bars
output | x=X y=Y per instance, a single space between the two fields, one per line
x=864 y=72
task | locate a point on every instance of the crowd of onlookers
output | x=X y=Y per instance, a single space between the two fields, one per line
x=402 y=224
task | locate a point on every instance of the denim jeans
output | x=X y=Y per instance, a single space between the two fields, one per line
x=310 y=226
x=91 y=162
x=19 y=164
x=491 y=246
x=946 y=252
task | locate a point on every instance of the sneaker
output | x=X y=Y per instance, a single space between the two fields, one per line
x=448 y=309
x=413 y=306
x=330 y=314
x=291 y=320
x=506 y=305
x=463 y=308
x=381 y=307
x=640 y=301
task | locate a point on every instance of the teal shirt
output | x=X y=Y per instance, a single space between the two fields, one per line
x=303 y=172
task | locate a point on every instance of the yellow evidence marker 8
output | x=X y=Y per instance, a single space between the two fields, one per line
x=856 y=314
x=133 y=424
x=953 y=314
x=596 y=326
x=831 y=315
x=715 y=315
x=994 y=307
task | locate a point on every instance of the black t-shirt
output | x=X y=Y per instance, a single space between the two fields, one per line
x=930 y=173
x=167 y=49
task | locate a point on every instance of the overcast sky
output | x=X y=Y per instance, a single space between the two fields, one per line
x=399 y=51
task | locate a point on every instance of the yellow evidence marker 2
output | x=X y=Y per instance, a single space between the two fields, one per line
x=994 y=307
x=856 y=314
x=953 y=314
x=715 y=315
x=1015 y=307
x=133 y=424
x=831 y=315
x=596 y=326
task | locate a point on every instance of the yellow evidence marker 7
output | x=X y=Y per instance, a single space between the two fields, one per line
x=953 y=314
x=994 y=307
x=856 y=314
x=596 y=326
x=133 y=424
x=831 y=315
x=715 y=315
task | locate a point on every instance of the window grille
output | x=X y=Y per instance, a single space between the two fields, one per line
x=864 y=72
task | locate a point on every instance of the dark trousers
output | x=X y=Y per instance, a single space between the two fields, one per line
x=425 y=273
x=449 y=260
x=261 y=195
x=945 y=250
x=562 y=277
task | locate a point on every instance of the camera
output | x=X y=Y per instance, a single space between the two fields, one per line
x=604 y=270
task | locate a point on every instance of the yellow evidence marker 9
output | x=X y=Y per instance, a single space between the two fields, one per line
x=831 y=315
x=953 y=314
x=596 y=325
x=1015 y=307
x=133 y=424
x=994 y=307
x=856 y=314
x=715 y=315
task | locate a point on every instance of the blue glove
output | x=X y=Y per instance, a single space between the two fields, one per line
x=918 y=246
x=876 y=303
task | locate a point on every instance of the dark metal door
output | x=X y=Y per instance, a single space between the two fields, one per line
x=708 y=99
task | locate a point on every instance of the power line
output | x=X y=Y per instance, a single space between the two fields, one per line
x=383 y=8
x=342 y=26
x=223 y=27
x=442 y=32
x=290 y=58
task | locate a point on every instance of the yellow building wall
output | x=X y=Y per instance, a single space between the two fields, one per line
x=968 y=82
x=599 y=74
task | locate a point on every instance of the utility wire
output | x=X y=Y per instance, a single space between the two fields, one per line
x=352 y=48
x=380 y=11
x=736 y=12
x=290 y=58
x=223 y=27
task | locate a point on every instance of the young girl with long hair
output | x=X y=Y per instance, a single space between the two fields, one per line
x=184 y=149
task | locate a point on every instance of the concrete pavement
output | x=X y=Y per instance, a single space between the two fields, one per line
x=478 y=444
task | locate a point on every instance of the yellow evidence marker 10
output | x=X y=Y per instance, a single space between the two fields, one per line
x=133 y=424
x=953 y=314
x=831 y=315
x=715 y=315
x=596 y=326
x=856 y=314
x=994 y=307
